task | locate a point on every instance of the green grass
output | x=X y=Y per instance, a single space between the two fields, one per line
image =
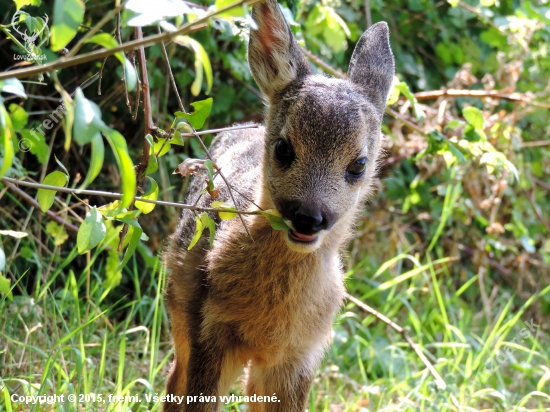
x=57 y=341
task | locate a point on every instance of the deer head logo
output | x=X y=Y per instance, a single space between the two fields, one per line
x=29 y=39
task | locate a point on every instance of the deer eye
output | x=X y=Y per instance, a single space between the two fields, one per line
x=283 y=152
x=357 y=168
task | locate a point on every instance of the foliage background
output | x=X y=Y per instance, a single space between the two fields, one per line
x=453 y=247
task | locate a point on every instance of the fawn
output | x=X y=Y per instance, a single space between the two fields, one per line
x=266 y=302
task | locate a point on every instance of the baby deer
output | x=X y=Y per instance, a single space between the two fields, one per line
x=266 y=301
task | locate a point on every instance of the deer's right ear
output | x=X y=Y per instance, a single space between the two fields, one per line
x=274 y=57
x=372 y=66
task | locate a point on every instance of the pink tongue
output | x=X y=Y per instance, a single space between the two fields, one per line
x=305 y=238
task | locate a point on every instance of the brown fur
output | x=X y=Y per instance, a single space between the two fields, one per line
x=265 y=301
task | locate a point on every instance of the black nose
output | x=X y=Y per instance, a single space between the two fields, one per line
x=306 y=219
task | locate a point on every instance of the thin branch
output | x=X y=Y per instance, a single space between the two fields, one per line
x=165 y=135
x=11 y=182
x=95 y=29
x=8 y=182
x=322 y=64
x=493 y=94
x=149 y=126
x=438 y=379
x=406 y=122
x=64 y=62
x=169 y=68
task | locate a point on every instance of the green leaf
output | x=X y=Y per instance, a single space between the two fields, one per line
x=161 y=147
x=37 y=144
x=236 y=11
x=22 y=3
x=67 y=17
x=151 y=194
x=210 y=172
x=96 y=162
x=226 y=206
x=128 y=176
x=199 y=116
x=91 y=231
x=275 y=219
x=474 y=117
x=4 y=282
x=404 y=89
x=456 y=152
x=57 y=232
x=134 y=241
x=87 y=119
x=13 y=86
x=199 y=227
x=46 y=196
x=107 y=41
x=202 y=63
x=2 y=265
x=7 y=139
x=454 y=123
x=208 y=222
x=18 y=116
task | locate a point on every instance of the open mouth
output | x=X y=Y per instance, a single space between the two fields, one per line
x=300 y=237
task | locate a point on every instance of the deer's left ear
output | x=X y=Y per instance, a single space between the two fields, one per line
x=372 y=66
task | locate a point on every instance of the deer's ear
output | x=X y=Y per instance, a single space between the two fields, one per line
x=372 y=66
x=274 y=57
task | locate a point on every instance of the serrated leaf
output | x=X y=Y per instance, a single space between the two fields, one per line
x=199 y=116
x=151 y=194
x=46 y=197
x=275 y=219
x=57 y=232
x=67 y=17
x=227 y=206
x=91 y=232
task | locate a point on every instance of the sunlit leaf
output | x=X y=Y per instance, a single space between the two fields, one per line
x=46 y=197
x=12 y=86
x=275 y=219
x=7 y=140
x=96 y=161
x=67 y=18
x=151 y=194
x=199 y=115
x=91 y=232
x=125 y=165
x=87 y=119
x=226 y=206
x=57 y=232
x=109 y=42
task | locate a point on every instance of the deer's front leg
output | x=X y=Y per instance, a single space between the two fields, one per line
x=290 y=381
x=213 y=366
